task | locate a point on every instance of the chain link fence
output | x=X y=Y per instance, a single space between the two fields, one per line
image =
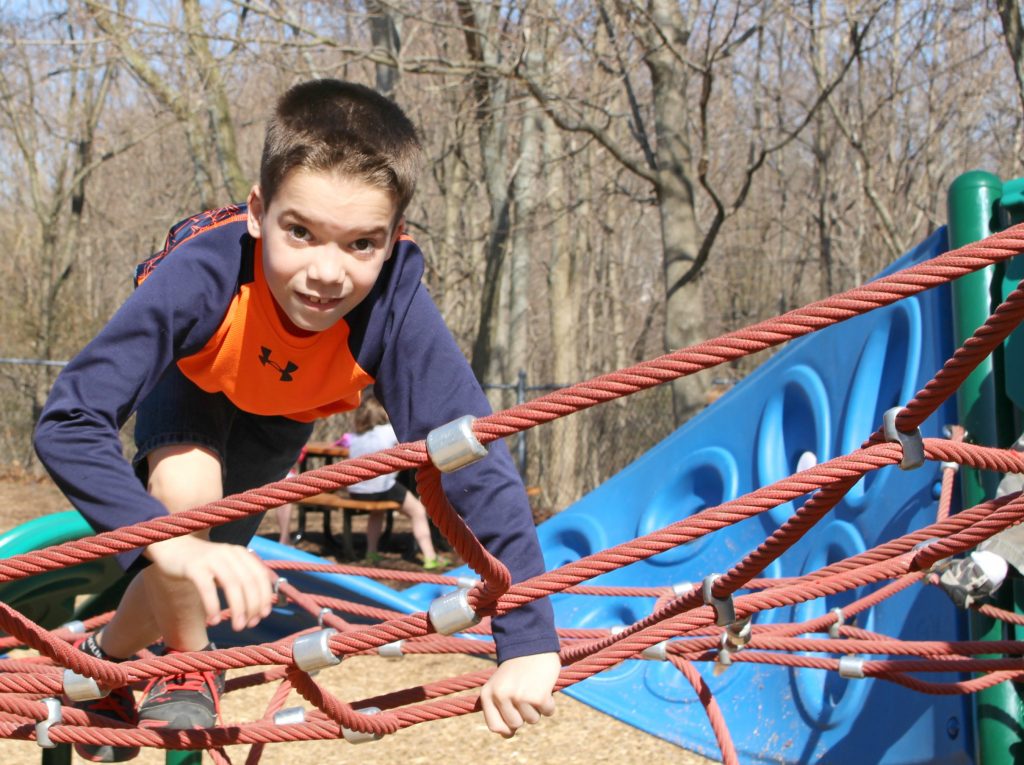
x=23 y=386
x=561 y=460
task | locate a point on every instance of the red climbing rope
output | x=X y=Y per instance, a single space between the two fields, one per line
x=688 y=624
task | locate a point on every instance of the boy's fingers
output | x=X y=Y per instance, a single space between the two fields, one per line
x=493 y=718
x=510 y=716
x=258 y=591
x=239 y=591
x=208 y=597
x=547 y=707
x=528 y=712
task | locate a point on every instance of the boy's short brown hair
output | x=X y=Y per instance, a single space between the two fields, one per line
x=332 y=125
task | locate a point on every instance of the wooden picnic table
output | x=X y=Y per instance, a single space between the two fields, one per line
x=328 y=453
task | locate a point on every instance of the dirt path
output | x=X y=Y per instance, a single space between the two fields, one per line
x=576 y=735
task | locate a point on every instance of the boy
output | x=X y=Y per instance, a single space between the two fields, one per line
x=251 y=323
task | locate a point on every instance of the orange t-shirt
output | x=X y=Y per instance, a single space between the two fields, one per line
x=265 y=369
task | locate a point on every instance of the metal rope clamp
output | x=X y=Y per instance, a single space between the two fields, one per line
x=912 y=442
x=723 y=660
x=358 y=736
x=392 y=650
x=681 y=589
x=851 y=667
x=734 y=639
x=75 y=627
x=725 y=612
x=937 y=565
x=313 y=651
x=280 y=599
x=81 y=688
x=656 y=652
x=738 y=634
x=833 y=629
x=290 y=716
x=452 y=613
x=54 y=716
x=454 y=445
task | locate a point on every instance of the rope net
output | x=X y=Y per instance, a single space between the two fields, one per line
x=709 y=621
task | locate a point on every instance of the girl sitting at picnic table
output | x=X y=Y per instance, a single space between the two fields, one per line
x=373 y=432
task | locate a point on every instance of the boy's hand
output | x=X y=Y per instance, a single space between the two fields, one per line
x=519 y=692
x=209 y=565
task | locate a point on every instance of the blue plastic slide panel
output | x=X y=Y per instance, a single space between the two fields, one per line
x=286 y=620
x=819 y=397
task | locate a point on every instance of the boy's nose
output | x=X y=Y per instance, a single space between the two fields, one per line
x=328 y=267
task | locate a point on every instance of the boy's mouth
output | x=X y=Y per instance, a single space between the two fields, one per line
x=317 y=301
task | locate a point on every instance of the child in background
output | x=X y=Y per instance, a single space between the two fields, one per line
x=373 y=432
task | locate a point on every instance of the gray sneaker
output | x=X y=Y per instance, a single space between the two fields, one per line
x=118 y=705
x=188 y=701
x=965 y=582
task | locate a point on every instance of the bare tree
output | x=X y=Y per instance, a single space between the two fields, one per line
x=684 y=63
x=202 y=106
x=50 y=112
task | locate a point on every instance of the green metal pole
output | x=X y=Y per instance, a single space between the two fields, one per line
x=183 y=757
x=983 y=410
x=59 y=755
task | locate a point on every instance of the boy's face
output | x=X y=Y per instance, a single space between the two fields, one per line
x=325 y=240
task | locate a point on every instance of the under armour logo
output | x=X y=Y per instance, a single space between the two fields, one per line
x=286 y=370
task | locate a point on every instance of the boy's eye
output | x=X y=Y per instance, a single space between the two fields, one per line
x=299 y=232
x=362 y=245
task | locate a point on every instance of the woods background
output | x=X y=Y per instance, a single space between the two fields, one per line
x=606 y=180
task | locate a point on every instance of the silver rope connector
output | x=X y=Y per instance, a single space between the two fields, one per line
x=451 y=613
x=851 y=667
x=833 y=629
x=313 y=651
x=290 y=716
x=912 y=443
x=279 y=597
x=937 y=565
x=359 y=737
x=81 y=688
x=679 y=589
x=54 y=716
x=656 y=652
x=392 y=650
x=454 y=446
x=735 y=638
x=725 y=612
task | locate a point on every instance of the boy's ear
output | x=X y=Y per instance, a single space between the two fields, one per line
x=254 y=220
x=399 y=230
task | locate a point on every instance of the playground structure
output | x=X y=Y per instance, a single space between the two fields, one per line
x=850 y=539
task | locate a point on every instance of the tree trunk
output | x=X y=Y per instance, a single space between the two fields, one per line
x=491 y=94
x=685 y=319
x=1013 y=35
x=563 y=440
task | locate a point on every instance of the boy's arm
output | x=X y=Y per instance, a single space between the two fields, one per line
x=77 y=436
x=424 y=381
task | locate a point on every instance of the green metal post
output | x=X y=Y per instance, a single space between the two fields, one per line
x=183 y=757
x=59 y=755
x=985 y=412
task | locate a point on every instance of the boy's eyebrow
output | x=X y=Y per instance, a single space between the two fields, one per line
x=369 y=230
